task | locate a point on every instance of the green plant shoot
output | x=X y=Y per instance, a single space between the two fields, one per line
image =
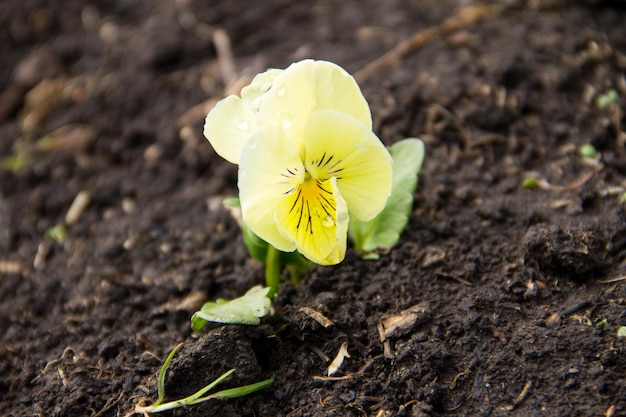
x=58 y=233
x=587 y=151
x=608 y=97
x=385 y=229
x=199 y=396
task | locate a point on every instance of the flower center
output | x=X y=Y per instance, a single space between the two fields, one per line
x=313 y=205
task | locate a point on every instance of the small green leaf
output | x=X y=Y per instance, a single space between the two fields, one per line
x=608 y=97
x=621 y=332
x=14 y=163
x=384 y=230
x=232 y=202
x=246 y=309
x=529 y=183
x=587 y=150
x=602 y=324
x=58 y=233
x=242 y=391
x=162 y=372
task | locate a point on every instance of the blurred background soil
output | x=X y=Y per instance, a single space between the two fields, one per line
x=500 y=299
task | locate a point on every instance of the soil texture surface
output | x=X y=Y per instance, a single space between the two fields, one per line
x=504 y=295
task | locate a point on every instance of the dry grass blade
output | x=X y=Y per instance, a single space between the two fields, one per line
x=465 y=18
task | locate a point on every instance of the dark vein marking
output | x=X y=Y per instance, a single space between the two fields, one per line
x=295 y=201
x=309 y=223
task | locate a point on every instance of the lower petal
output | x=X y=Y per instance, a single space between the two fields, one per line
x=315 y=217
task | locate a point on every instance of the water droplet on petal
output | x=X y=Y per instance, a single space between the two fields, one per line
x=281 y=92
x=328 y=221
x=243 y=124
x=266 y=87
x=287 y=122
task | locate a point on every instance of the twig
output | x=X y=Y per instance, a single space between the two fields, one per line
x=317 y=316
x=452 y=277
x=466 y=17
x=486 y=139
x=545 y=185
x=612 y=280
x=10 y=267
x=522 y=395
x=433 y=128
x=577 y=307
x=226 y=61
x=109 y=404
x=78 y=206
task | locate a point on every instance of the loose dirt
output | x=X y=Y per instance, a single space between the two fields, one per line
x=499 y=299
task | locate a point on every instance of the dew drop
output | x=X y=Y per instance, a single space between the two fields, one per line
x=256 y=104
x=328 y=221
x=243 y=124
x=287 y=122
x=281 y=92
x=266 y=87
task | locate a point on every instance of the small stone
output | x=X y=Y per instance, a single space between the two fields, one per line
x=348 y=397
x=42 y=63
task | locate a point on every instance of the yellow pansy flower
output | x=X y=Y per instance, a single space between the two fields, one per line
x=307 y=157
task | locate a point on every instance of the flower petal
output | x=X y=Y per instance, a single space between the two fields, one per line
x=316 y=218
x=269 y=170
x=261 y=84
x=306 y=86
x=338 y=145
x=228 y=126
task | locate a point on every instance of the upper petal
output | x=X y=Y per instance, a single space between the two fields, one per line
x=268 y=171
x=338 y=145
x=228 y=126
x=261 y=84
x=307 y=86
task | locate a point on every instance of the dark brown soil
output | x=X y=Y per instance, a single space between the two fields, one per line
x=504 y=291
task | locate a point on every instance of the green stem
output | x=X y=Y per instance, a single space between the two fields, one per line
x=272 y=269
x=293 y=274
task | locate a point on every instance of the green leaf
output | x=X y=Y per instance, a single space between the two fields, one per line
x=57 y=233
x=247 y=309
x=610 y=96
x=232 y=202
x=14 y=163
x=587 y=150
x=161 y=378
x=242 y=391
x=384 y=230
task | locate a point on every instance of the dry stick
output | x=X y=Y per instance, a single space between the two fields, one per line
x=464 y=18
x=612 y=280
x=543 y=184
x=225 y=57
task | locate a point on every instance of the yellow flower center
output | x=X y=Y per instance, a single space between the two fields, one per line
x=312 y=205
